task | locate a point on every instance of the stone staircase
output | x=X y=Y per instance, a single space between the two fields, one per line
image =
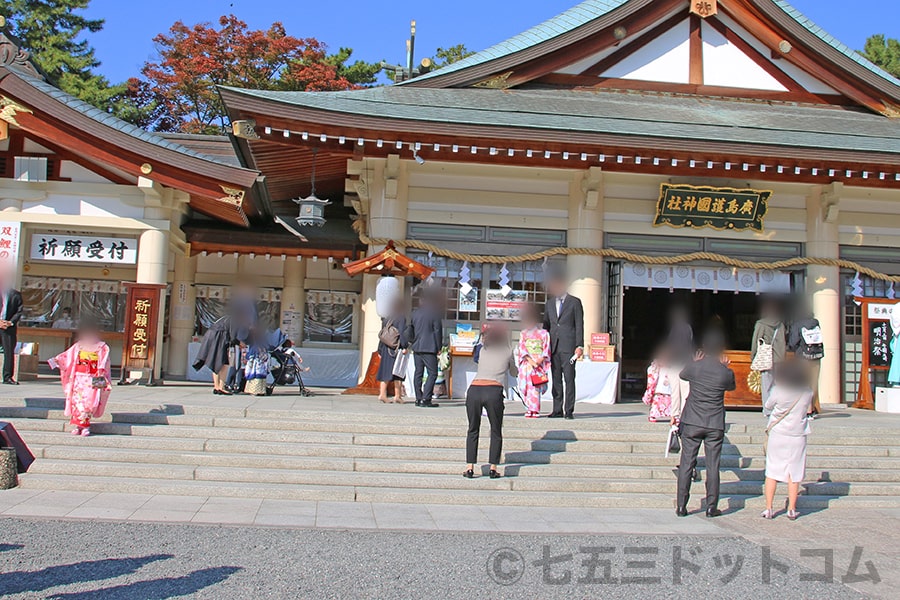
x=417 y=457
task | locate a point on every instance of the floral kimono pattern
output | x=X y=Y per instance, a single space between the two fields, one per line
x=78 y=366
x=534 y=342
x=658 y=395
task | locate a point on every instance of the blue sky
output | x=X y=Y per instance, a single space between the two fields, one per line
x=377 y=30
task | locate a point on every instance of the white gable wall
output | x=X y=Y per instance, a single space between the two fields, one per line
x=724 y=64
x=665 y=59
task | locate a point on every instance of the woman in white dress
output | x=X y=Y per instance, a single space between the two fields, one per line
x=787 y=409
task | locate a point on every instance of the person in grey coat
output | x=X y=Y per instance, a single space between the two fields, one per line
x=771 y=329
x=425 y=336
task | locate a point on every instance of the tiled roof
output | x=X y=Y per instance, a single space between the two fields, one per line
x=571 y=19
x=641 y=114
x=834 y=42
x=114 y=122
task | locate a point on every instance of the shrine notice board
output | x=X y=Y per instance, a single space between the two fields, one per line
x=141 y=344
x=877 y=334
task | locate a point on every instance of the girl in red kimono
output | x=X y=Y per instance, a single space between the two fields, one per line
x=534 y=361
x=662 y=382
x=86 y=379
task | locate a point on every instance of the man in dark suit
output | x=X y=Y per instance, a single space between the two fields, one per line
x=564 y=319
x=703 y=420
x=10 y=313
x=425 y=334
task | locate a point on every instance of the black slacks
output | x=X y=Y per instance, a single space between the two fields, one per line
x=562 y=369
x=691 y=437
x=8 y=340
x=490 y=398
x=425 y=361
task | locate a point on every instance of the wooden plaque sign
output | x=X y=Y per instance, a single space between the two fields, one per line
x=140 y=344
x=719 y=208
x=704 y=8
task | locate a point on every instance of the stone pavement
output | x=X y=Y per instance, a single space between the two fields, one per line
x=836 y=533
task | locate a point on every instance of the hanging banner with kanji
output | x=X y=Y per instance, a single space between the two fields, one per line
x=9 y=243
x=719 y=208
x=84 y=248
x=141 y=326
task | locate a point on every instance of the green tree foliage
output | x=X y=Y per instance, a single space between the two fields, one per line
x=448 y=56
x=359 y=72
x=884 y=52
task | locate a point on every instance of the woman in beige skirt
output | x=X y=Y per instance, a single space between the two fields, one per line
x=787 y=409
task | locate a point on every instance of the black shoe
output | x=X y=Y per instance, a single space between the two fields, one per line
x=696 y=475
x=430 y=404
x=470 y=474
x=570 y=417
x=418 y=403
x=681 y=511
x=713 y=512
x=495 y=474
x=555 y=416
x=216 y=392
x=10 y=381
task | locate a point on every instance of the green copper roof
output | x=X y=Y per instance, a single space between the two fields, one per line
x=571 y=19
x=834 y=42
x=589 y=10
x=113 y=122
x=638 y=114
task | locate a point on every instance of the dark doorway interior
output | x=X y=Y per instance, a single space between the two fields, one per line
x=645 y=322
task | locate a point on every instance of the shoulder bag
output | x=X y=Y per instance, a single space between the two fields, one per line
x=390 y=335
x=764 y=359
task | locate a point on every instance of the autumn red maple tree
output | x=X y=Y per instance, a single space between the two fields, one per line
x=193 y=60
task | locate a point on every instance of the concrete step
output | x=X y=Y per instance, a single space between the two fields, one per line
x=472 y=496
x=449 y=466
x=79 y=468
x=416 y=455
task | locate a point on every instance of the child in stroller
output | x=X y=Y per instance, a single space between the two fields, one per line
x=285 y=367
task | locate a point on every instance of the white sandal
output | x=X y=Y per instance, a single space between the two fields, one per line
x=768 y=514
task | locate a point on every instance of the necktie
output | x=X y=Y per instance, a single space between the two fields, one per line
x=559 y=304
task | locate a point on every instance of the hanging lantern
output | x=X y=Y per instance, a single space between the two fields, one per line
x=312 y=208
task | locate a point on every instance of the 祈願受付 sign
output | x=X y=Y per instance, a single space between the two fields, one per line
x=719 y=208
x=86 y=248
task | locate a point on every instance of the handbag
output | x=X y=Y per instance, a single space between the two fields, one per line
x=673 y=444
x=390 y=335
x=401 y=365
x=764 y=359
x=539 y=379
x=100 y=382
x=777 y=421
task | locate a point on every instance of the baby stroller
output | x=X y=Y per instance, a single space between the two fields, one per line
x=285 y=368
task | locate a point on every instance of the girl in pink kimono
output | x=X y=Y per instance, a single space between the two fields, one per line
x=661 y=381
x=86 y=378
x=533 y=361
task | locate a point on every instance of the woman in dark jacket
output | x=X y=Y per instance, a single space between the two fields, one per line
x=389 y=355
x=234 y=327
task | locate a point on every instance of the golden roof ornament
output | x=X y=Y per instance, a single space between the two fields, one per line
x=704 y=8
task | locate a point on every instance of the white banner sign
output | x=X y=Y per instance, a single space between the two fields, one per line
x=881 y=312
x=9 y=242
x=83 y=248
x=717 y=279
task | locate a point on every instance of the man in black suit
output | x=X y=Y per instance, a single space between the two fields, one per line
x=703 y=420
x=10 y=313
x=564 y=319
x=425 y=333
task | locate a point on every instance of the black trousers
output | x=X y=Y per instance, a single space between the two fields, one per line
x=425 y=361
x=691 y=437
x=489 y=398
x=562 y=369
x=8 y=340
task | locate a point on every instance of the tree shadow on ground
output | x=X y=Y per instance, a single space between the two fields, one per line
x=8 y=547
x=157 y=589
x=18 y=582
